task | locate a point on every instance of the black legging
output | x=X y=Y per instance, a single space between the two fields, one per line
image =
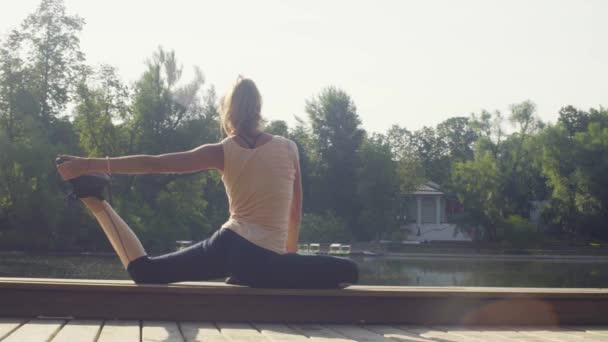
x=226 y=253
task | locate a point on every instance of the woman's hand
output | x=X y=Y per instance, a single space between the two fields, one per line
x=72 y=166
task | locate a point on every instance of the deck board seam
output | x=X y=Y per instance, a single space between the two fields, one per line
x=58 y=330
x=339 y=332
x=103 y=323
x=179 y=328
x=365 y=327
x=2 y=338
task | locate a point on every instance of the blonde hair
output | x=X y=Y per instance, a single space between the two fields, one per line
x=241 y=107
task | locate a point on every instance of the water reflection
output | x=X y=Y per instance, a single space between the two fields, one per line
x=483 y=272
x=418 y=271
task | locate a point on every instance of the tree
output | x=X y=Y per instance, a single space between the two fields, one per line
x=337 y=136
x=409 y=169
x=300 y=134
x=325 y=227
x=503 y=178
x=478 y=184
x=101 y=102
x=54 y=56
x=17 y=104
x=576 y=168
x=458 y=137
x=560 y=166
x=37 y=66
x=573 y=119
x=432 y=153
x=517 y=155
x=377 y=189
x=277 y=127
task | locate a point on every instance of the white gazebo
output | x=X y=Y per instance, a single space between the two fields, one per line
x=425 y=216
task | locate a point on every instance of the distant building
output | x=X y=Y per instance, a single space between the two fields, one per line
x=426 y=215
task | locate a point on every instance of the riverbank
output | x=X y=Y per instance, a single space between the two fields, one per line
x=512 y=257
x=556 y=249
x=420 y=253
x=481 y=249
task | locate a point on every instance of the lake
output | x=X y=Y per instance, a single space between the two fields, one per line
x=419 y=271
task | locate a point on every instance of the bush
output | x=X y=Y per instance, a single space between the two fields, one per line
x=326 y=227
x=517 y=231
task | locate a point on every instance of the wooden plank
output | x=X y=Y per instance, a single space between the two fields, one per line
x=562 y=335
x=156 y=331
x=279 y=332
x=435 y=334
x=595 y=330
x=319 y=333
x=79 y=330
x=497 y=334
x=8 y=325
x=120 y=331
x=241 y=332
x=396 y=334
x=477 y=334
x=358 y=333
x=201 y=331
x=35 y=330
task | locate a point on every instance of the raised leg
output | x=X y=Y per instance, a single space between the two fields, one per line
x=125 y=242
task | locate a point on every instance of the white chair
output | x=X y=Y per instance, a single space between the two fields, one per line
x=303 y=248
x=334 y=248
x=345 y=249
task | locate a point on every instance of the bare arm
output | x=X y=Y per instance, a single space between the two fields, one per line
x=295 y=214
x=210 y=156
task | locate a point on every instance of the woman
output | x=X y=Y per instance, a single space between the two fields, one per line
x=257 y=245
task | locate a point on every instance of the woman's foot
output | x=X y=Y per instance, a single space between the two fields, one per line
x=89 y=185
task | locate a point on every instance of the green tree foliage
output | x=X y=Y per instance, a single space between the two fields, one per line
x=325 y=227
x=377 y=189
x=560 y=167
x=102 y=108
x=521 y=174
x=478 y=185
x=164 y=116
x=458 y=138
x=300 y=134
x=574 y=162
x=337 y=136
x=37 y=64
x=277 y=127
x=504 y=176
x=50 y=38
x=410 y=171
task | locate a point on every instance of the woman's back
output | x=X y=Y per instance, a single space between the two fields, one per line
x=259 y=183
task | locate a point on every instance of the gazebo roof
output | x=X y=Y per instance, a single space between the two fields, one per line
x=428 y=188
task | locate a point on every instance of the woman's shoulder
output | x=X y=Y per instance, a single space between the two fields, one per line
x=287 y=144
x=226 y=140
x=284 y=140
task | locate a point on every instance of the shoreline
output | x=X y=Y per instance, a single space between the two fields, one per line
x=510 y=257
x=389 y=255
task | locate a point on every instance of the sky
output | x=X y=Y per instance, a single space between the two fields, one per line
x=411 y=63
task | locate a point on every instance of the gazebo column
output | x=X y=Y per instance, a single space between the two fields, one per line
x=418 y=210
x=438 y=209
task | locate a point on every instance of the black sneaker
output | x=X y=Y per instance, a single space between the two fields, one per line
x=89 y=185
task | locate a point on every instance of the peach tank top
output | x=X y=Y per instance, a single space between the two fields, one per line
x=259 y=185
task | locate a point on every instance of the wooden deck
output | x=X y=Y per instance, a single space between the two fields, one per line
x=62 y=330
x=217 y=302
